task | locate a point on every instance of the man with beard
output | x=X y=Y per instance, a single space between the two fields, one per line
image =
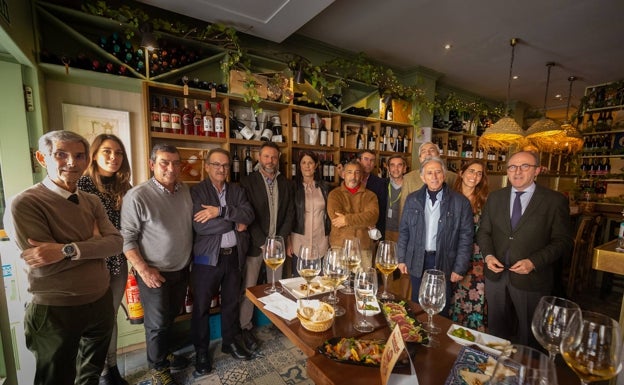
x=271 y=196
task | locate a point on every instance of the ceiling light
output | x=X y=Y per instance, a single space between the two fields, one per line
x=544 y=127
x=506 y=132
x=571 y=141
x=447 y=46
x=515 y=77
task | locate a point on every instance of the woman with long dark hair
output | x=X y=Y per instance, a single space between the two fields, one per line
x=468 y=305
x=108 y=177
x=312 y=225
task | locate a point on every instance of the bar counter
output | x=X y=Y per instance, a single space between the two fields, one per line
x=432 y=364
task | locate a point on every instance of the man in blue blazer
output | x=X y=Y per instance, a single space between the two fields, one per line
x=436 y=230
x=524 y=230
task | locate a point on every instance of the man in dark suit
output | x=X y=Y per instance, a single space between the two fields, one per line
x=524 y=230
x=375 y=184
x=221 y=214
x=271 y=196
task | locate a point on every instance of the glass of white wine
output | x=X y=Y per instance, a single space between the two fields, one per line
x=386 y=262
x=432 y=296
x=308 y=264
x=335 y=271
x=592 y=346
x=274 y=255
x=550 y=321
x=365 y=286
x=352 y=257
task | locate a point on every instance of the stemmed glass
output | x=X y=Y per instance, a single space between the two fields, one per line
x=352 y=257
x=550 y=320
x=274 y=255
x=308 y=264
x=432 y=296
x=386 y=262
x=591 y=346
x=365 y=286
x=522 y=365
x=335 y=272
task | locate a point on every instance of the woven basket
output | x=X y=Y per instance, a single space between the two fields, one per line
x=318 y=326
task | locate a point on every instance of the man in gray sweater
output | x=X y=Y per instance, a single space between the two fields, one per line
x=158 y=238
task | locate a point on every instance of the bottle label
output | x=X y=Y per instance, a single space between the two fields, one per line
x=165 y=120
x=295 y=133
x=236 y=166
x=267 y=134
x=323 y=139
x=208 y=129
x=247 y=132
x=176 y=121
x=219 y=125
x=155 y=118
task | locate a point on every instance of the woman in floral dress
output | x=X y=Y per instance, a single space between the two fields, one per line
x=468 y=306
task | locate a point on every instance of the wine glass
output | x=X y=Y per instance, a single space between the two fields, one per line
x=335 y=272
x=274 y=255
x=386 y=262
x=365 y=286
x=308 y=264
x=522 y=365
x=432 y=296
x=352 y=257
x=550 y=320
x=591 y=346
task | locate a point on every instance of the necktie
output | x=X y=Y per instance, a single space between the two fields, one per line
x=432 y=195
x=73 y=198
x=516 y=211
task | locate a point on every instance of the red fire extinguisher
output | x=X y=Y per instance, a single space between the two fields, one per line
x=135 y=309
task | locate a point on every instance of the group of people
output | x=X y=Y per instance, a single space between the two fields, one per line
x=77 y=228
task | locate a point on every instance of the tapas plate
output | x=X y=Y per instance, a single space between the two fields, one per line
x=298 y=287
x=411 y=328
x=488 y=343
x=472 y=367
x=357 y=351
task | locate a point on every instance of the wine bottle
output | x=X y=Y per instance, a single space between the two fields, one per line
x=389 y=112
x=325 y=170
x=359 y=141
x=176 y=118
x=219 y=123
x=187 y=119
x=343 y=137
x=372 y=138
x=609 y=120
x=165 y=116
x=295 y=132
x=235 y=167
x=276 y=127
x=589 y=124
x=330 y=137
x=155 y=115
x=323 y=134
x=248 y=162
x=332 y=169
x=313 y=131
x=208 y=121
x=267 y=131
x=198 y=119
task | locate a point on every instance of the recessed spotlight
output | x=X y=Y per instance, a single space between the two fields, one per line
x=515 y=77
x=447 y=46
x=558 y=96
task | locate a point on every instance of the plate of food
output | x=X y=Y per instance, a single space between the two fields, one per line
x=411 y=328
x=298 y=287
x=371 y=307
x=474 y=367
x=357 y=351
x=488 y=343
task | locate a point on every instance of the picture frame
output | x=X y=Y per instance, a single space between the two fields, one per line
x=92 y=121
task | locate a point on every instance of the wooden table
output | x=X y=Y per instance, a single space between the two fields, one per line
x=432 y=365
x=608 y=260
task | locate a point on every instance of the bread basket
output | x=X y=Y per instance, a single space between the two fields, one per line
x=321 y=320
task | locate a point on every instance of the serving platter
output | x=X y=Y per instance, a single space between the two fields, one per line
x=356 y=351
x=297 y=287
x=487 y=342
x=411 y=329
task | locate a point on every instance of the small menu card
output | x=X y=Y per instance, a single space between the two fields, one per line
x=392 y=351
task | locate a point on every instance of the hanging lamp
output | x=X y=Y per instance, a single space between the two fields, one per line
x=571 y=141
x=540 y=131
x=505 y=132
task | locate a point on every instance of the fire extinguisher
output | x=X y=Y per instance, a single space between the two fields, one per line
x=135 y=309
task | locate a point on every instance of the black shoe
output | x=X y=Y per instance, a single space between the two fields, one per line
x=203 y=364
x=249 y=340
x=177 y=362
x=112 y=377
x=237 y=351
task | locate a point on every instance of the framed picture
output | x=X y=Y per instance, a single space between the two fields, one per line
x=92 y=121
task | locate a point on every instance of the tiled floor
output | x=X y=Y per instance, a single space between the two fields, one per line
x=282 y=363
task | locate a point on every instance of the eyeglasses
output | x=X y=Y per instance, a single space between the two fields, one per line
x=472 y=171
x=523 y=167
x=218 y=166
x=62 y=155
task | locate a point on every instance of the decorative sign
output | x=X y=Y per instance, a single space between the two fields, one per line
x=392 y=351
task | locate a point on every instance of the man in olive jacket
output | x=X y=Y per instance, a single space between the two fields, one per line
x=519 y=259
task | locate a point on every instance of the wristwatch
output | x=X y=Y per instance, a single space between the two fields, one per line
x=69 y=251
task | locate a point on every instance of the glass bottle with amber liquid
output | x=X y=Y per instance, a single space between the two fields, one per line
x=165 y=116
x=198 y=119
x=176 y=118
x=155 y=115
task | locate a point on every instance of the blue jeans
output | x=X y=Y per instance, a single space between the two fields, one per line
x=161 y=305
x=416 y=281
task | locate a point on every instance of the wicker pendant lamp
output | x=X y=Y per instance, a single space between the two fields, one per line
x=506 y=132
x=540 y=131
x=571 y=141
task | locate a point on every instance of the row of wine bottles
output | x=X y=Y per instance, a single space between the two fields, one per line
x=603 y=122
x=170 y=117
x=598 y=144
x=89 y=62
x=467 y=150
x=597 y=167
x=605 y=96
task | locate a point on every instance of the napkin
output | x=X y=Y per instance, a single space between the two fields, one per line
x=278 y=304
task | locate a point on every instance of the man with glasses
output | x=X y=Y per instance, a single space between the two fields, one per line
x=221 y=214
x=412 y=180
x=271 y=196
x=65 y=235
x=156 y=223
x=525 y=229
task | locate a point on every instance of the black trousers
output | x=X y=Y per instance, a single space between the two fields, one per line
x=206 y=281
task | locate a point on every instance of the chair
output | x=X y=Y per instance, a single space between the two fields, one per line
x=580 y=270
